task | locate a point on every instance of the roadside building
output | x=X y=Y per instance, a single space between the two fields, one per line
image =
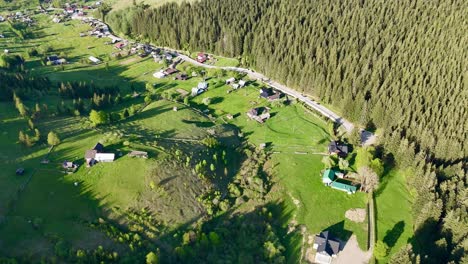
x=202 y=57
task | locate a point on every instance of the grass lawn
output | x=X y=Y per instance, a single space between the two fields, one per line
x=320 y=208
x=394 y=216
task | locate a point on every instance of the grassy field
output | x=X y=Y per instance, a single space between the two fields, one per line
x=394 y=214
x=297 y=137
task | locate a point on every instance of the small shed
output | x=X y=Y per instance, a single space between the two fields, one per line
x=202 y=85
x=20 y=171
x=230 y=80
x=94 y=60
x=242 y=83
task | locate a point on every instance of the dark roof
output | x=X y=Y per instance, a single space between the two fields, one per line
x=275 y=96
x=326 y=244
x=52 y=58
x=99 y=147
x=170 y=71
x=337 y=147
x=90 y=154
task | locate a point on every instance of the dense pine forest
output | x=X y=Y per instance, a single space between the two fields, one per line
x=394 y=65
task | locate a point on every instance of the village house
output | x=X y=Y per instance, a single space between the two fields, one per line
x=119 y=45
x=259 y=114
x=56 y=20
x=326 y=248
x=202 y=57
x=339 y=148
x=96 y=154
x=201 y=88
x=69 y=166
x=20 y=171
x=270 y=94
x=2 y=19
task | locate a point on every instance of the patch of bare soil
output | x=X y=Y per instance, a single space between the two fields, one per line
x=129 y=61
x=356 y=215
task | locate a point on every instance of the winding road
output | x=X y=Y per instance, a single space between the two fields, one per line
x=366 y=136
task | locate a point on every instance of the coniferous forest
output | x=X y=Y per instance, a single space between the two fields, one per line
x=399 y=66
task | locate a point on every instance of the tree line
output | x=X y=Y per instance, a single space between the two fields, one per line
x=397 y=66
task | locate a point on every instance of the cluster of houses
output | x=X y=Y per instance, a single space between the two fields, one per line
x=18 y=17
x=335 y=178
x=235 y=85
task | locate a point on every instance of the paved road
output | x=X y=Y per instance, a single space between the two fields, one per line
x=255 y=75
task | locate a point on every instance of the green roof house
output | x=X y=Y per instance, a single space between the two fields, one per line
x=343 y=187
x=328 y=176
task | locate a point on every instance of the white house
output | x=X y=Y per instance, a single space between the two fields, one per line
x=160 y=74
x=104 y=157
x=235 y=86
x=203 y=85
x=56 y=20
x=94 y=60
x=242 y=83
x=2 y=19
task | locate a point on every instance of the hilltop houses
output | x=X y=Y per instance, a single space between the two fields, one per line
x=97 y=154
x=326 y=248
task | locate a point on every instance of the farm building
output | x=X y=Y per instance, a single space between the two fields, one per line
x=94 y=60
x=159 y=74
x=104 y=157
x=343 y=186
x=327 y=248
x=119 y=45
x=56 y=20
x=96 y=155
x=242 y=83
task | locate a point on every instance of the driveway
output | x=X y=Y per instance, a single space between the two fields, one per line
x=352 y=254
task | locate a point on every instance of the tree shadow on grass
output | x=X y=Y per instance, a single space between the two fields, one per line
x=392 y=236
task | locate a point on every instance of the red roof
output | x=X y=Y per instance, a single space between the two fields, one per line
x=119 y=45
